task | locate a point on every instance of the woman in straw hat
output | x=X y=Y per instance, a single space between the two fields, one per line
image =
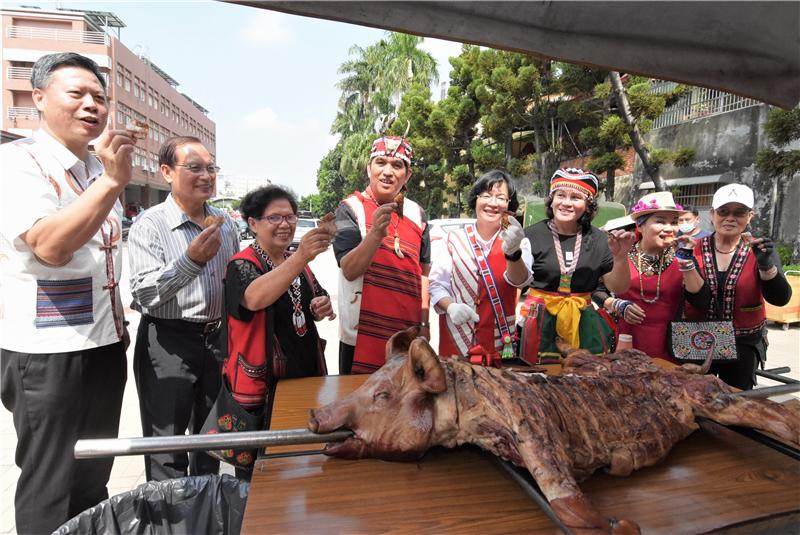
x=741 y=272
x=657 y=276
x=569 y=258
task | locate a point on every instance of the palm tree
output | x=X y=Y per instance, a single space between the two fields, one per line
x=403 y=64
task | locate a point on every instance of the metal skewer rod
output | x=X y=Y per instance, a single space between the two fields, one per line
x=114 y=447
x=775 y=375
x=769 y=391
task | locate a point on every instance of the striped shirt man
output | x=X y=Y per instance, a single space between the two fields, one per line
x=165 y=282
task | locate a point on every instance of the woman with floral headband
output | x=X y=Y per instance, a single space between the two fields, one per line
x=657 y=276
x=569 y=258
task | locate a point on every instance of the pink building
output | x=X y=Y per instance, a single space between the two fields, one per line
x=137 y=88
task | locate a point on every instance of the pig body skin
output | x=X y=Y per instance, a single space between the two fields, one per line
x=619 y=414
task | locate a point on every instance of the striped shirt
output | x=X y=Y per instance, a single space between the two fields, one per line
x=165 y=282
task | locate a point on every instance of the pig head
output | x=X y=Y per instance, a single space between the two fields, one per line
x=394 y=414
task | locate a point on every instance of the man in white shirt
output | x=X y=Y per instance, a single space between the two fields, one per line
x=62 y=328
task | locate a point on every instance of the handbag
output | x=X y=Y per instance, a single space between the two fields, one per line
x=693 y=341
x=227 y=416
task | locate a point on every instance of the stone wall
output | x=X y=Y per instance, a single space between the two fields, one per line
x=727 y=144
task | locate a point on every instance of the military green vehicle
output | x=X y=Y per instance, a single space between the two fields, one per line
x=534 y=211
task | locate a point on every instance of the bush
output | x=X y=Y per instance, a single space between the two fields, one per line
x=785 y=254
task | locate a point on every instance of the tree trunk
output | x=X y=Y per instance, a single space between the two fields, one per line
x=543 y=159
x=624 y=109
x=610 y=184
x=509 y=148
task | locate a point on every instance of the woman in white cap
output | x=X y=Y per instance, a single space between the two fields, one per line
x=569 y=256
x=657 y=276
x=741 y=272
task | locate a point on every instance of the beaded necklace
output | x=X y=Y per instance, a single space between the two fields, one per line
x=660 y=269
x=565 y=281
x=298 y=317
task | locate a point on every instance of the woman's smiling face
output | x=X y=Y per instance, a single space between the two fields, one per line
x=492 y=204
x=568 y=205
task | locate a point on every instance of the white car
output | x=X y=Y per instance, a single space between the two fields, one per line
x=440 y=228
x=303 y=226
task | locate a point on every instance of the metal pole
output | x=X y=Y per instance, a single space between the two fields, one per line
x=769 y=391
x=114 y=447
x=774 y=375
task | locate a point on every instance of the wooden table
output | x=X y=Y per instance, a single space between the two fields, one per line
x=714 y=479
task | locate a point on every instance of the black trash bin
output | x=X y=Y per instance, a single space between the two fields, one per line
x=207 y=504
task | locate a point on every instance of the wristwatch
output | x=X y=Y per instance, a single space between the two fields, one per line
x=515 y=256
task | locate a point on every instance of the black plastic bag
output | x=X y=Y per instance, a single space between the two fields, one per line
x=206 y=504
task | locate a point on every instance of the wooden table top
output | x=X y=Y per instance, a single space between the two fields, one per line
x=713 y=479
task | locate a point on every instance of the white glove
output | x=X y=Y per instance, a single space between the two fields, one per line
x=512 y=236
x=460 y=314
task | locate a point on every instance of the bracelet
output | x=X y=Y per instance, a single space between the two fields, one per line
x=513 y=257
x=620 y=305
x=424 y=324
x=769 y=273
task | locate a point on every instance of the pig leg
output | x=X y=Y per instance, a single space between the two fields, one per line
x=548 y=464
x=764 y=415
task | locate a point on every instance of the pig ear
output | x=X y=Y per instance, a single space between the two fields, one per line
x=400 y=342
x=424 y=366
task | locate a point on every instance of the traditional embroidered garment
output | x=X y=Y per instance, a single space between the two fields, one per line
x=390 y=297
x=650 y=336
x=740 y=298
x=467 y=287
x=66 y=308
x=248 y=331
x=540 y=325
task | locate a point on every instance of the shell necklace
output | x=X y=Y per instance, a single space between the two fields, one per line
x=660 y=270
x=397 y=249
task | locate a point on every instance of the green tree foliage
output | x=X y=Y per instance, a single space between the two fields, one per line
x=311 y=203
x=331 y=183
x=372 y=84
x=781 y=163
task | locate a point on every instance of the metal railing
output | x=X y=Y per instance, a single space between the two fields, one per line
x=23 y=32
x=19 y=73
x=699 y=102
x=16 y=112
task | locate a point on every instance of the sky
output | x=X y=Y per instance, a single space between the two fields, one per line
x=268 y=79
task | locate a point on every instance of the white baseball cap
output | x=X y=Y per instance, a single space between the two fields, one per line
x=733 y=193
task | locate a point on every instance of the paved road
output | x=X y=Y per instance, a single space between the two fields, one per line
x=128 y=472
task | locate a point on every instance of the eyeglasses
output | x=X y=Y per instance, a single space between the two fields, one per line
x=276 y=219
x=738 y=213
x=499 y=199
x=197 y=168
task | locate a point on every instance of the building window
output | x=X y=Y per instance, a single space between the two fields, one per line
x=127 y=84
x=697 y=195
x=120 y=77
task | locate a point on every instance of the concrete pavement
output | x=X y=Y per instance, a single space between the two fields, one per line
x=128 y=472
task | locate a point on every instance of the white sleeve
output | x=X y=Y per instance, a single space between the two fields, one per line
x=439 y=277
x=26 y=195
x=527 y=258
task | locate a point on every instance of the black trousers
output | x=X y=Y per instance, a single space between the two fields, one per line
x=178 y=372
x=742 y=373
x=57 y=398
x=346 y=353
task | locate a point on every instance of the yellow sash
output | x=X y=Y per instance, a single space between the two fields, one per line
x=566 y=308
